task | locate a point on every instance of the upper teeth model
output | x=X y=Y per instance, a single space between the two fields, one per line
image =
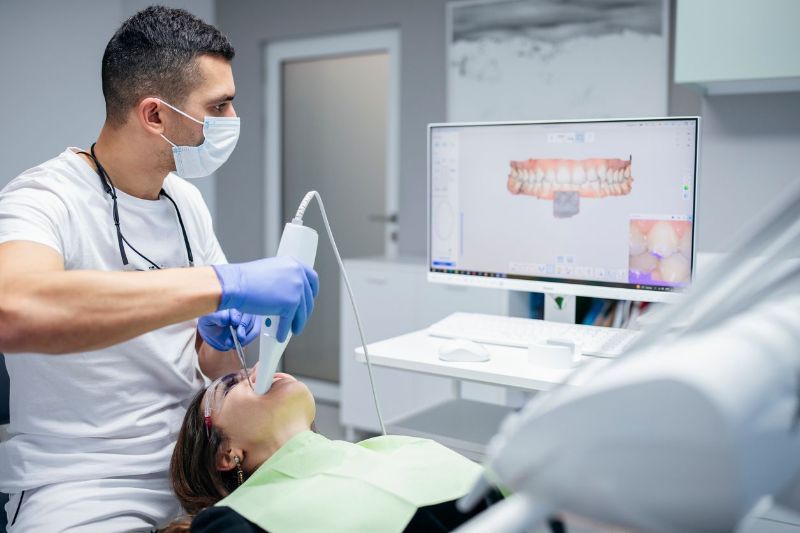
x=566 y=180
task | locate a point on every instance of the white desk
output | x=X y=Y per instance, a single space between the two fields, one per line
x=509 y=367
x=461 y=424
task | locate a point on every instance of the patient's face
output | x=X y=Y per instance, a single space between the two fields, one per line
x=248 y=419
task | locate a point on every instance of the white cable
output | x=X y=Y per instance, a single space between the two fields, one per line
x=298 y=219
x=301 y=210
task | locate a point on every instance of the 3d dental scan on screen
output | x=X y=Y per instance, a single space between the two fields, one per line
x=593 y=208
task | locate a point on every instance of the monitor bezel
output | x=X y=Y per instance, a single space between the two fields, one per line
x=551 y=287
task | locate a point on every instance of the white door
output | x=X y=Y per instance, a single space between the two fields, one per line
x=332 y=127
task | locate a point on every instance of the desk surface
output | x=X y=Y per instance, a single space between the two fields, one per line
x=418 y=352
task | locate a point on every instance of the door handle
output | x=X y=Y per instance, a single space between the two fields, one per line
x=384 y=219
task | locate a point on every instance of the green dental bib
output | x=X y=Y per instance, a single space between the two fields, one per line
x=315 y=484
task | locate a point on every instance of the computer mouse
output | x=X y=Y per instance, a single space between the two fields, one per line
x=463 y=350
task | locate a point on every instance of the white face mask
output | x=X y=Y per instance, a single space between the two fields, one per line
x=221 y=134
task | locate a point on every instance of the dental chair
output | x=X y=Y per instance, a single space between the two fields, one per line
x=695 y=428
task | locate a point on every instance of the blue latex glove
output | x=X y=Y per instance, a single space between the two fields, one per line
x=278 y=286
x=215 y=330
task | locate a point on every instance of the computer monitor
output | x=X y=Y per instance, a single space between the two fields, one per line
x=602 y=208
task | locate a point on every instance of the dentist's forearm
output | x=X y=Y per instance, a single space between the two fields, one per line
x=62 y=312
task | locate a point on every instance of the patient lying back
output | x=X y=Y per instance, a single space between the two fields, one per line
x=248 y=462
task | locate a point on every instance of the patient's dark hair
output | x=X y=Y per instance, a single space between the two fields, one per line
x=154 y=53
x=195 y=479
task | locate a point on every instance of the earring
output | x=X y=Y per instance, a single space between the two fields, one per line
x=239 y=472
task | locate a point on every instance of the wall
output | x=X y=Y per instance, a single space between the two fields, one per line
x=50 y=59
x=50 y=53
x=749 y=157
x=749 y=142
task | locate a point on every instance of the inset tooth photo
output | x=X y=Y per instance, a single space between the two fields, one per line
x=659 y=252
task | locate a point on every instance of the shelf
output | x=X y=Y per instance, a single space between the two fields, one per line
x=775 y=85
x=465 y=426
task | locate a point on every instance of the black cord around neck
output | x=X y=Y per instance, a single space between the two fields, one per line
x=108 y=187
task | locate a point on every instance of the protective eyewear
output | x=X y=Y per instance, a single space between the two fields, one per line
x=216 y=393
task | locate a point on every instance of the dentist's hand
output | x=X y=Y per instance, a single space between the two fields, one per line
x=215 y=330
x=278 y=286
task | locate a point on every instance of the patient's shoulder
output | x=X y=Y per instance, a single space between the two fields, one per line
x=390 y=442
x=214 y=519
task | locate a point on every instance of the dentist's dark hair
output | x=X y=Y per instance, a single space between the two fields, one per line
x=154 y=53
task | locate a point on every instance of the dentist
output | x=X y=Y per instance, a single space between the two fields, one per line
x=107 y=259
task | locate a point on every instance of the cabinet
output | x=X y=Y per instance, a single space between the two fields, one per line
x=738 y=46
x=394 y=297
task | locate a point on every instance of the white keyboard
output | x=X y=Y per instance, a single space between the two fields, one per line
x=521 y=332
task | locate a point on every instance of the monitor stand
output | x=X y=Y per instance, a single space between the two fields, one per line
x=559 y=308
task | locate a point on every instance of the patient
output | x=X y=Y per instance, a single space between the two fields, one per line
x=257 y=457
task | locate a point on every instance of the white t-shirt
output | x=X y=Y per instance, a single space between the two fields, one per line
x=115 y=411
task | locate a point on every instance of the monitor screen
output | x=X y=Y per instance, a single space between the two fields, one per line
x=595 y=208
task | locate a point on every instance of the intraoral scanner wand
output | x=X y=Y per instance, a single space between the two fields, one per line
x=300 y=243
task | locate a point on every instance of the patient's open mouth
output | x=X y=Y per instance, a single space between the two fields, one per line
x=281 y=376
